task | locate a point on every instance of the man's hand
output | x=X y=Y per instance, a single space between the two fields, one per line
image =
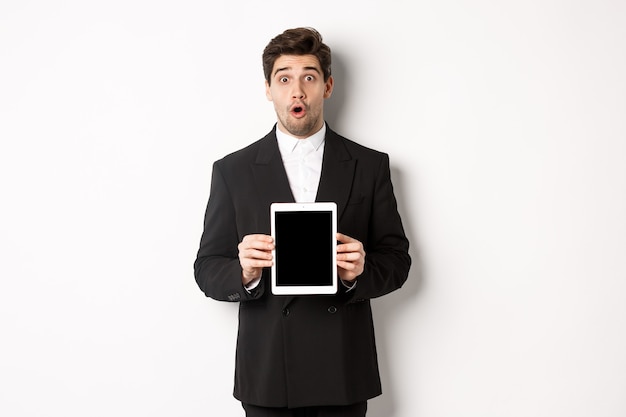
x=350 y=258
x=255 y=253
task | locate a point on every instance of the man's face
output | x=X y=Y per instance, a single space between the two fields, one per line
x=298 y=91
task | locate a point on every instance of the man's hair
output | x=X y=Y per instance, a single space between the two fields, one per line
x=299 y=41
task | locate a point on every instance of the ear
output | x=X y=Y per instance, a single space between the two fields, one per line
x=268 y=92
x=328 y=88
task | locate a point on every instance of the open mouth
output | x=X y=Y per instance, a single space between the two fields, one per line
x=298 y=110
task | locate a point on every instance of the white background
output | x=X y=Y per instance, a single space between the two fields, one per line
x=505 y=124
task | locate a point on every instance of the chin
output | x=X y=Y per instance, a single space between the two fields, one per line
x=301 y=130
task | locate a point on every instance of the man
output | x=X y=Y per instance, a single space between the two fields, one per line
x=304 y=355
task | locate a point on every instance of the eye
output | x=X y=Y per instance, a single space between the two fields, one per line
x=283 y=79
x=309 y=78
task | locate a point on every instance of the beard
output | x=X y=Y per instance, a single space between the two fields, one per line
x=303 y=127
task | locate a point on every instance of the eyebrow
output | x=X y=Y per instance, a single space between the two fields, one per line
x=317 y=70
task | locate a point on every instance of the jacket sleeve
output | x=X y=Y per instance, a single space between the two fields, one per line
x=217 y=269
x=387 y=261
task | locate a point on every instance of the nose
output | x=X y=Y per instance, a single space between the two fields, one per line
x=298 y=91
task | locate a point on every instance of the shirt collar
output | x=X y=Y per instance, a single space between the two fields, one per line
x=287 y=143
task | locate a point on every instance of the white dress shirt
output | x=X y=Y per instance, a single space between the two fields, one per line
x=302 y=159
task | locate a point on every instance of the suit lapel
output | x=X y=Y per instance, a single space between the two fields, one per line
x=337 y=173
x=271 y=179
x=335 y=182
x=269 y=173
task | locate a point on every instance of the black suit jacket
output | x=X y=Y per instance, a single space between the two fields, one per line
x=305 y=350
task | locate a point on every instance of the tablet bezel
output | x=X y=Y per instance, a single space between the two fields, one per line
x=327 y=289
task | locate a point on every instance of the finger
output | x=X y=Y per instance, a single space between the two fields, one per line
x=261 y=242
x=350 y=247
x=348 y=244
x=255 y=254
x=345 y=238
x=349 y=256
x=348 y=271
x=250 y=264
x=258 y=236
x=256 y=264
x=348 y=266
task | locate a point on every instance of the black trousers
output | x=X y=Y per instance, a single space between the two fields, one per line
x=353 y=410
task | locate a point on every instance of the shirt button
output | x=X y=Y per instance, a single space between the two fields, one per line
x=332 y=309
x=285 y=312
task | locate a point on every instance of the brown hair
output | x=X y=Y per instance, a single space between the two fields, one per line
x=299 y=41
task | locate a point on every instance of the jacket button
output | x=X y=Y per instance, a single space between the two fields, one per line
x=332 y=309
x=285 y=312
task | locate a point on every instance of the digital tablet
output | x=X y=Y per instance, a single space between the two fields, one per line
x=305 y=248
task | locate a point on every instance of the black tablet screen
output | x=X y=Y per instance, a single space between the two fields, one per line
x=304 y=248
